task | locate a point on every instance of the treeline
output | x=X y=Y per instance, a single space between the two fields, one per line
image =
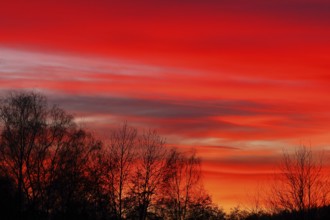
x=53 y=169
x=317 y=213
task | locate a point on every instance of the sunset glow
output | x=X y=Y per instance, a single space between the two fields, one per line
x=239 y=81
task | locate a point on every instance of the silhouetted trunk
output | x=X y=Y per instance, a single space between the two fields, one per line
x=20 y=192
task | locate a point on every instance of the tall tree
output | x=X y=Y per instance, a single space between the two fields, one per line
x=48 y=158
x=183 y=189
x=301 y=186
x=72 y=188
x=150 y=172
x=29 y=129
x=121 y=156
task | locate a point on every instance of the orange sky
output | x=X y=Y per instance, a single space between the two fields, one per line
x=238 y=80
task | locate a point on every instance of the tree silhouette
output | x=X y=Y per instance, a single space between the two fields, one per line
x=8 y=200
x=202 y=208
x=44 y=154
x=301 y=187
x=52 y=169
x=120 y=160
x=183 y=189
x=73 y=182
x=30 y=129
x=149 y=173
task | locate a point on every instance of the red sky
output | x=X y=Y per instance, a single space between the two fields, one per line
x=238 y=80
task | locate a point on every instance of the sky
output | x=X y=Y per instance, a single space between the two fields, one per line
x=239 y=81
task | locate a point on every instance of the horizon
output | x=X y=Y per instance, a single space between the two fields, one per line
x=239 y=82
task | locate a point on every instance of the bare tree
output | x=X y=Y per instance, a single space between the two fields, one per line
x=29 y=130
x=149 y=173
x=183 y=189
x=62 y=172
x=72 y=188
x=121 y=155
x=301 y=186
x=42 y=150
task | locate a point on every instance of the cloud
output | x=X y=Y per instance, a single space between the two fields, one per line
x=172 y=100
x=25 y=64
x=171 y=109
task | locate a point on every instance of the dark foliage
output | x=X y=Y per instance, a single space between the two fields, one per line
x=320 y=213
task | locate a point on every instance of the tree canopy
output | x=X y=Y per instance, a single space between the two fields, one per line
x=53 y=169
